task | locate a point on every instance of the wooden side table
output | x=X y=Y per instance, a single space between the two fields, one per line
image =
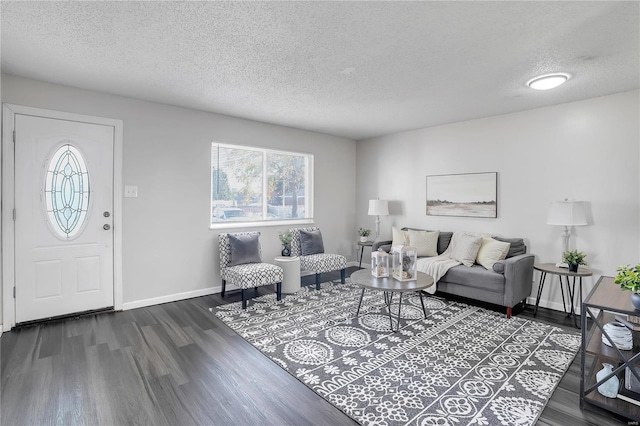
x=551 y=268
x=362 y=245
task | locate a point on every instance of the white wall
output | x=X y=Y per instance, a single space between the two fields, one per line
x=587 y=150
x=168 y=248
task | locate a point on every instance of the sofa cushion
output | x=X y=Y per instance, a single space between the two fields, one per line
x=475 y=276
x=517 y=246
x=444 y=238
x=244 y=248
x=425 y=242
x=399 y=237
x=491 y=251
x=311 y=242
x=465 y=248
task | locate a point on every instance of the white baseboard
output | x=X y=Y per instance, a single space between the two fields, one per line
x=170 y=298
x=195 y=293
x=556 y=306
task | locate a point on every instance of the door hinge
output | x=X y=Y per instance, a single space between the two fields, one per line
x=14 y=291
x=14 y=136
x=14 y=215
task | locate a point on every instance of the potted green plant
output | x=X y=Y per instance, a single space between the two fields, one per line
x=364 y=233
x=628 y=278
x=285 y=239
x=574 y=258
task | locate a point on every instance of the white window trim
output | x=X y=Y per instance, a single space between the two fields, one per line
x=267 y=223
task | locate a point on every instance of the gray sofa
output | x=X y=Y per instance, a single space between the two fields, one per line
x=507 y=285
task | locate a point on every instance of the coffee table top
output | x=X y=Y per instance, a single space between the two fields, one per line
x=363 y=278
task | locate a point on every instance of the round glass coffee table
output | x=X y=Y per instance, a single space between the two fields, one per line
x=389 y=286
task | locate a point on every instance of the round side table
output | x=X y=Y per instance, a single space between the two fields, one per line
x=550 y=268
x=291 y=269
x=362 y=245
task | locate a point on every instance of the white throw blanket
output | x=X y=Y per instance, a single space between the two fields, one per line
x=437 y=266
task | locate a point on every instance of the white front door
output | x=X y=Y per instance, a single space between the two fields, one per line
x=64 y=206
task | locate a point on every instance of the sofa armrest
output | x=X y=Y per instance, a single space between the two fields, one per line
x=518 y=277
x=384 y=245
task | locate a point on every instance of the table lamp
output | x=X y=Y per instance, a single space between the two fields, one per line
x=567 y=213
x=378 y=208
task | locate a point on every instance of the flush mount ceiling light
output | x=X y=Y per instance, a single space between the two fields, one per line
x=547 y=81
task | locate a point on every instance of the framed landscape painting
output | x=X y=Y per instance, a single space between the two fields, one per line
x=469 y=194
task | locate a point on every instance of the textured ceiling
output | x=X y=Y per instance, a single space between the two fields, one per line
x=354 y=69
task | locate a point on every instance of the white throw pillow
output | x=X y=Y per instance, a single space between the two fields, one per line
x=465 y=248
x=399 y=237
x=492 y=251
x=426 y=242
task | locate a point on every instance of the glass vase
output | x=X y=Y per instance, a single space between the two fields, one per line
x=610 y=387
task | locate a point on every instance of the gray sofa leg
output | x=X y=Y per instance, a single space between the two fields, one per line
x=343 y=273
x=279 y=290
x=244 y=299
x=317 y=281
x=224 y=283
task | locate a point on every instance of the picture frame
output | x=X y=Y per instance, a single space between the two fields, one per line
x=463 y=195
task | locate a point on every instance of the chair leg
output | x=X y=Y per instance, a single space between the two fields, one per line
x=244 y=299
x=318 y=281
x=343 y=273
x=509 y=310
x=279 y=290
x=224 y=283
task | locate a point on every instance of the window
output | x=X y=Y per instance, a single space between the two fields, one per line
x=255 y=185
x=66 y=192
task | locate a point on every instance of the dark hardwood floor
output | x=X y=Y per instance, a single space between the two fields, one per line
x=177 y=364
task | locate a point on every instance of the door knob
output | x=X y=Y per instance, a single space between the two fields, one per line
x=106 y=227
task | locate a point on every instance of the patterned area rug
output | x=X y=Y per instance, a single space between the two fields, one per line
x=461 y=365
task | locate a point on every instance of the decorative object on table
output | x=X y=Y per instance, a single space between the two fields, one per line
x=380 y=264
x=628 y=278
x=285 y=239
x=629 y=388
x=364 y=233
x=567 y=213
x=629 y=321
x=378 y=208
x=620 y=334
x=610 y=387
x=403 y=260
x=469 y=194
x=631 y=382
x=573 y=259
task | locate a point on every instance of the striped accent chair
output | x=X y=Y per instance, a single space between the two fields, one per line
x=246 y=269
x=317 y=262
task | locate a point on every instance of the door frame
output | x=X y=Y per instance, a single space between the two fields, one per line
x=7 y=195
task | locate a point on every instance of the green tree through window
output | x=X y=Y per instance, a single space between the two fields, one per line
x=252 y=184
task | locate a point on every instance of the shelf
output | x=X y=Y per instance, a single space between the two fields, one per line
x=596 y=347
x=609 y=300
x=616 y=405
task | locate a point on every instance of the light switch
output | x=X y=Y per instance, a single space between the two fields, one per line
x=130 y=191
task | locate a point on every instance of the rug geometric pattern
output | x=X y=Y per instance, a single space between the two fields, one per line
x=462 y=365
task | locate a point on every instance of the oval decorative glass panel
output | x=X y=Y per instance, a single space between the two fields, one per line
x=66 y=191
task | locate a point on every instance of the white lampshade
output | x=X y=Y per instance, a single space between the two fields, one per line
x=567 y=213
x=378 y=208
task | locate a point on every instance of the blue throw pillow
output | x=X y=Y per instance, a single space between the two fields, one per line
x=244 y=249
x=311 y=242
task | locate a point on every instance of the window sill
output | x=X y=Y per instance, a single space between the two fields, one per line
x=260 y=223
